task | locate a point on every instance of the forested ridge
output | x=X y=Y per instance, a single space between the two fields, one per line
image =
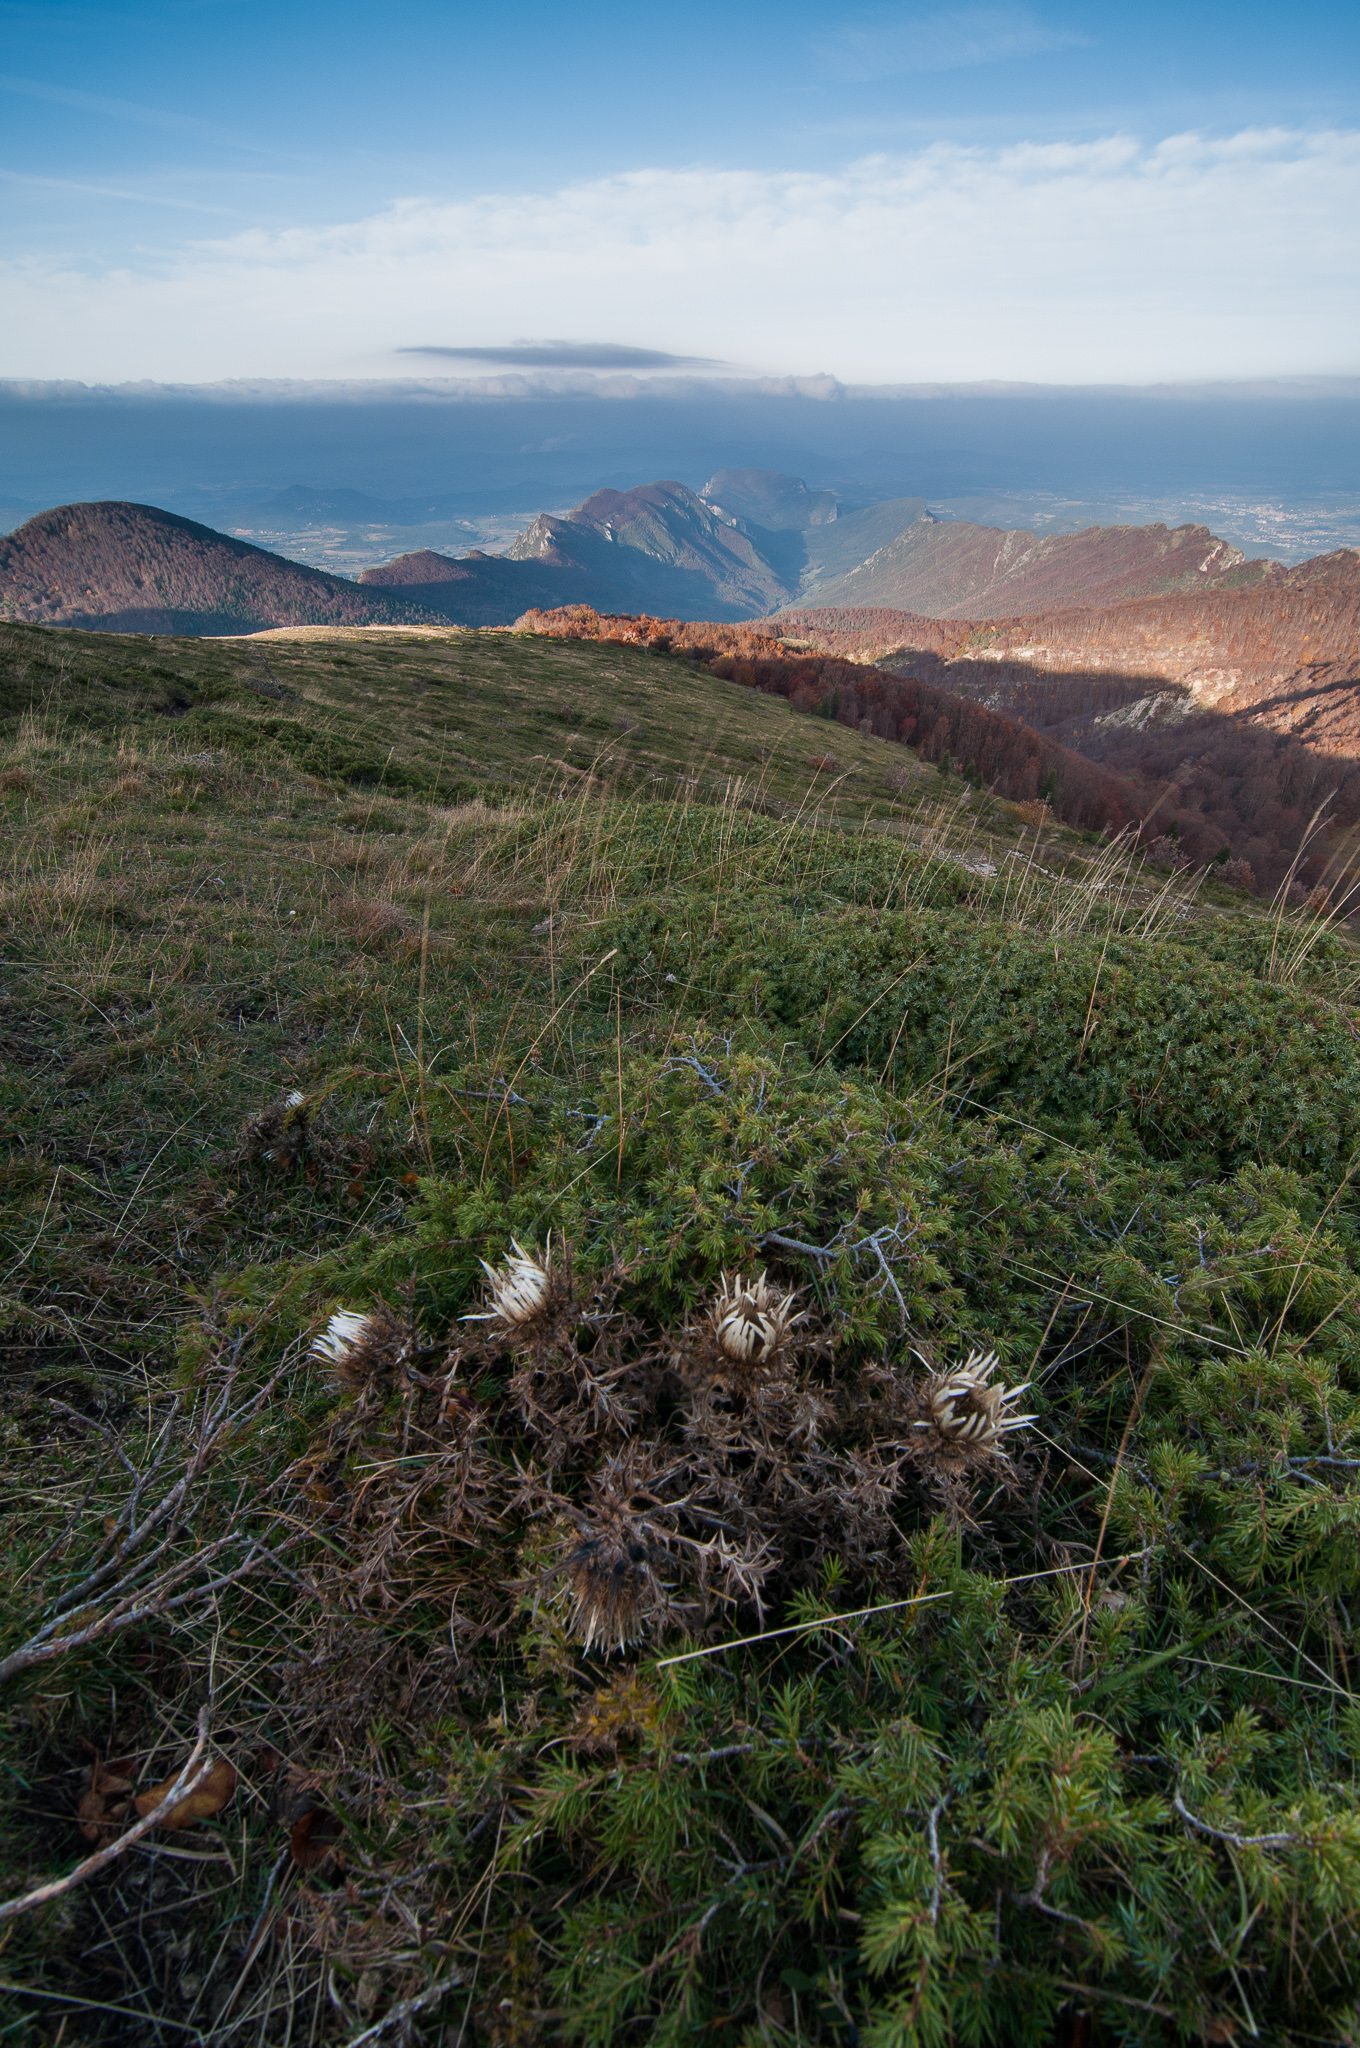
x=1205 y=784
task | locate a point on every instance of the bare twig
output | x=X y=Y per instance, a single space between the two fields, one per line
x=450 y=1981
x=792 y=1244
x=141 y=1579
x=1223 y=1834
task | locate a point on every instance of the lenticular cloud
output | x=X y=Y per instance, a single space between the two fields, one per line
x=1091 y=262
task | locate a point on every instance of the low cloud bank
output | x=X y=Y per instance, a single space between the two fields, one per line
x=1106 y=262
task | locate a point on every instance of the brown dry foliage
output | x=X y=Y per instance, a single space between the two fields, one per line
x=370 y=921
x=618 y=1483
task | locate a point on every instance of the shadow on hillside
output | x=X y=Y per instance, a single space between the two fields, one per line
x=1221 y=778
x=491 y=590
x=171 y=624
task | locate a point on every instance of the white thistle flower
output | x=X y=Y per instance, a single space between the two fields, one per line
x=363 y=1348
x=520 y=1289
x=346 y=1333
x=966 y=1408
x=294 y=1099
x=751 y=1319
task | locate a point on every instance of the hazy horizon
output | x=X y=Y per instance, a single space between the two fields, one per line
x=1049 y=259
x=1272 y=468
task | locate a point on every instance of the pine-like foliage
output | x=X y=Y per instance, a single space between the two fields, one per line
x=654 y=1602
x=1086 y=1762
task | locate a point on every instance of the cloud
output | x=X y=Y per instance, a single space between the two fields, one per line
x=890 y=47
x=1094 y=262
x=571 y=355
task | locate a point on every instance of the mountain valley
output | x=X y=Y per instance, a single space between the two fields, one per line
x=1222 y=694
x=751 y=543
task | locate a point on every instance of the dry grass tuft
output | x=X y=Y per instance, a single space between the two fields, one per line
x=371 y=921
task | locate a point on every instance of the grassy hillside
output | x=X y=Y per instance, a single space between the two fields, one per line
x=570 y=942
x=123 y=568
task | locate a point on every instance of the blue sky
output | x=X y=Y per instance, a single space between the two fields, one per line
x=200 y=189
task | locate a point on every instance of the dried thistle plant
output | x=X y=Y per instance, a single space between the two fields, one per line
x=428 y=1497
x=752 y=1322
x=684 y=1473
x=525 y=1291
x=581 y=1366
x=458 y=1405
x=364 y=1348
x=611 y=1581
x=277 y=1136
x=749 y=1390
x=966 y=1408
x=952 y=1429
x=648 y=1549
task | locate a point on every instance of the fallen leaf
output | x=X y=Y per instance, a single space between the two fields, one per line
x=107 y=1780
x=91 y=1815
x=314 y=1837
x=210 y=1797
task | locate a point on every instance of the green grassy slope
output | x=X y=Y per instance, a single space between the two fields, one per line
x=553 y=937
x=218 y=849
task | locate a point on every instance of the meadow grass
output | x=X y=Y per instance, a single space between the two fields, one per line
x=570 y=940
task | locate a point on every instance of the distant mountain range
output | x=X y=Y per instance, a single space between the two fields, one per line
x=756 y=540
x=134 y=569
x=954 y=569
x=1225 y=692
x=751 y=543
x=1289 y=630
x=659 y=546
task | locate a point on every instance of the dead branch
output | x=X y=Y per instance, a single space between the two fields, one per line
x=189 y=1779
x=1223 y=1835
x=450 y=1981
x=135 y=1576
